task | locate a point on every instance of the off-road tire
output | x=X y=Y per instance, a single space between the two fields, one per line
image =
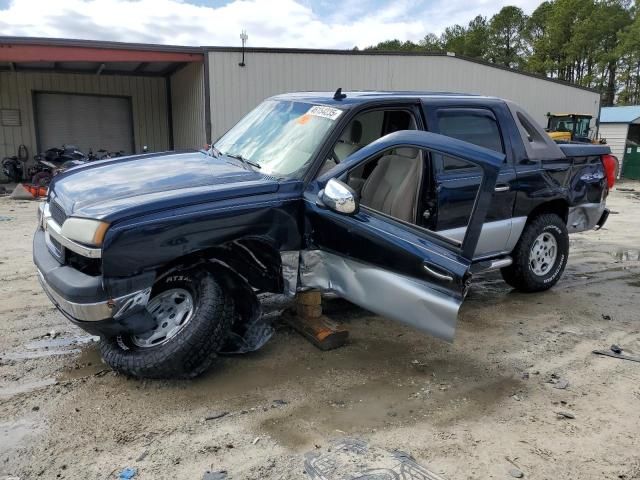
x=193 y=349
x=520 y=274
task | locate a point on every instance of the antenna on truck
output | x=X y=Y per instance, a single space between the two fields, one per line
x=339 y=95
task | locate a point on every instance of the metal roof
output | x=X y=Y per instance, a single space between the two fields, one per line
x=6 y=41
x=71 y=42
x=100 y=58
x=620 y=114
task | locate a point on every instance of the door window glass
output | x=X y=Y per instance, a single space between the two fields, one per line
x=477 y=126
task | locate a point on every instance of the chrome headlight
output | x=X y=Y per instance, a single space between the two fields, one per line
x=84 y=230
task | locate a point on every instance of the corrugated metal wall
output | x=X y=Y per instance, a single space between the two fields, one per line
x=616 y=136
x=235 y=90
x=148 y=98
x=187 y=103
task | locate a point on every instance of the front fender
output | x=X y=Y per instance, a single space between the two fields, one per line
x=153 y=241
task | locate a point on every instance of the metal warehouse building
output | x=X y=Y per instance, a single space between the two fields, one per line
x=121 y=96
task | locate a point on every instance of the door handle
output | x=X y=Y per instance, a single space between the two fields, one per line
x=438 y=275
x=502 y=188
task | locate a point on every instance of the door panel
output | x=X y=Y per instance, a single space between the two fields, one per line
x=457 y=186
x=390 y=267
x=384 y=292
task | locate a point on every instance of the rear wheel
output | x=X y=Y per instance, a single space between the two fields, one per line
x=193 y=316
x=540 y=256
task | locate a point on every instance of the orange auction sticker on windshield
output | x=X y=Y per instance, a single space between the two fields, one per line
x=324 y=112
x=304 y=119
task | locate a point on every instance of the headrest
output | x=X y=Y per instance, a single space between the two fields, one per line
x=354 y=134
x=406 y=152
x=356 y=131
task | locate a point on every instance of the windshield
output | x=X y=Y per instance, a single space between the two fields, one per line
x=279 y=137
x=567 y=123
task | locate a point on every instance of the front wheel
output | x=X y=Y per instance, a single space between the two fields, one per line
x=540 y=256
x=193 y=316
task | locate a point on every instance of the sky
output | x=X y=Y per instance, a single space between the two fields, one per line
x=269 y=23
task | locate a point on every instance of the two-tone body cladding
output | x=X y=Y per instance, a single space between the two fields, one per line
x=391 y=200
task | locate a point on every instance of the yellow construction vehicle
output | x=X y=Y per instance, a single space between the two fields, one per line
x=570 y=127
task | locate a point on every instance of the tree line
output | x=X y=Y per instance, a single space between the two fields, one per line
x=593 y=43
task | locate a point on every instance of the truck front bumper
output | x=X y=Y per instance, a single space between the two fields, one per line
x=83 y=299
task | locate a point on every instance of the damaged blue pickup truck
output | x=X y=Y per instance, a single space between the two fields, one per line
x=390 y=200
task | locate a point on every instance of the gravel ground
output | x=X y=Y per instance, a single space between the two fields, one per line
x=478 y=408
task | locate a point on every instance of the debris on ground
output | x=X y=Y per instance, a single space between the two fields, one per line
x=219 y=475
x=25 y=191
x=52 y=334
x=216 y=415
x=516 y=473
x=563 y=414
x=255 y=440
x=353 y=458
x=279 y=403
x=6 y=218
x=612 y=353
x=250 y=338
x=561 y=384
x=606 y=317
x=558 y=382
x=616 y=348
x=128 y=473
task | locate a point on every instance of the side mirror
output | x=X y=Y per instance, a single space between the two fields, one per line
x=339 y=197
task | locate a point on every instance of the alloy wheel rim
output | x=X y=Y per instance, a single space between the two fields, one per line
x=171 y=310
x=543 y=254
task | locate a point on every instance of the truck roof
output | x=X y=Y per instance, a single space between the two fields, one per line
x=358 y=97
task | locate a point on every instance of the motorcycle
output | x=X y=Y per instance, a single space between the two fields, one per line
x=104 y=154
x=13 y=167
x=54 y=161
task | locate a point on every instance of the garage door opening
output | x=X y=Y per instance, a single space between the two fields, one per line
x=90 y=122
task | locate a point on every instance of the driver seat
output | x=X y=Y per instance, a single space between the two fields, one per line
x=392 y=188
x=348 y=143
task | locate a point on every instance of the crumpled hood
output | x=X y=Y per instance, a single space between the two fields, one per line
x=122 y=187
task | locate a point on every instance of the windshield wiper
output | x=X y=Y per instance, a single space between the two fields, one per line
x=242 y=159
x=215 y=153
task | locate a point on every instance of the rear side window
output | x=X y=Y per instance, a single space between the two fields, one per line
x=532 y=134
x=477 y=126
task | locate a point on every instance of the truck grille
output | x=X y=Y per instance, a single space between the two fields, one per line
x=56 y=249
x=57 y=213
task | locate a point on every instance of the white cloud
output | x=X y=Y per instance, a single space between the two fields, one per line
x=270 y=23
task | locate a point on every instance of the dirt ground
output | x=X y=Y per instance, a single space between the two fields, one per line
x=475 y=409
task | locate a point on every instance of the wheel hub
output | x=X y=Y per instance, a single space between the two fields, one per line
x=543 y=254
x=171 y=310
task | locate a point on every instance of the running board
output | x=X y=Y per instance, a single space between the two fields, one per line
x=490 y=265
